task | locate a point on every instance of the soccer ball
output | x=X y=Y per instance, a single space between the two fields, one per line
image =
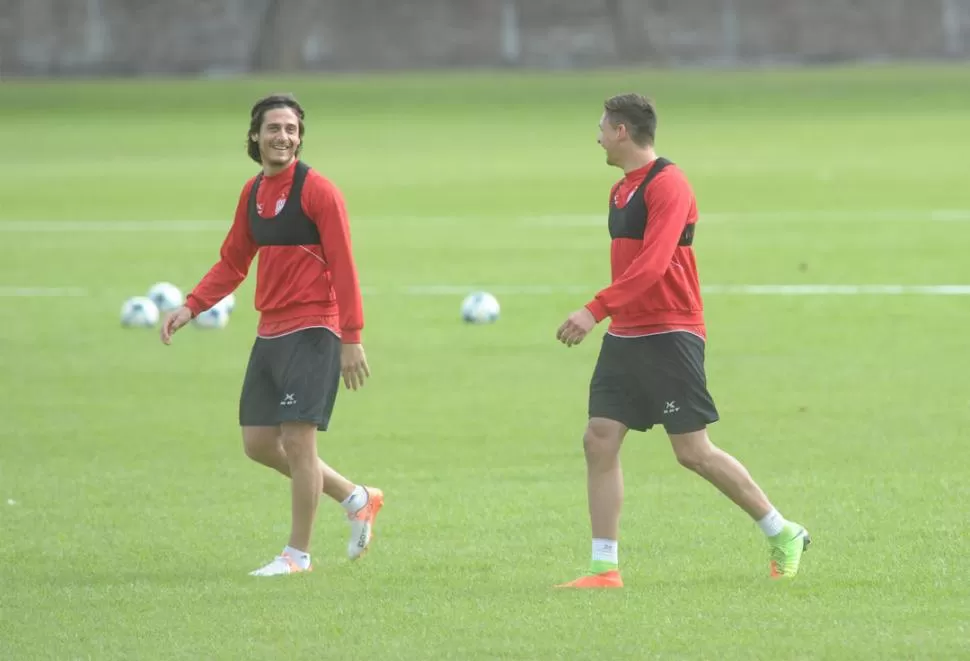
x=139 y=312
x=228 y=303
x=480 y=308
x=214 y=317
x=166 y=296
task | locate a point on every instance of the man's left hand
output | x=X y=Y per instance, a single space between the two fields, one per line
x=353 y=365
x=576 y=327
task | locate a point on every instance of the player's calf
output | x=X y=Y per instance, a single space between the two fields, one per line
x=787 y=540
x=695 y=451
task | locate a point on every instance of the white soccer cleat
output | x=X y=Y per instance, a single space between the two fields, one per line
x=362 y=524
x=281 y=565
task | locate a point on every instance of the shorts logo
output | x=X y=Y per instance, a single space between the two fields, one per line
x=289 y=399
x=670 y=407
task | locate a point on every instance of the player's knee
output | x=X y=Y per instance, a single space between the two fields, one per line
x=299 y=442
x=602 y=440
x=691 y=460
x=261 y=447
x=693 y=450
x=255 y=451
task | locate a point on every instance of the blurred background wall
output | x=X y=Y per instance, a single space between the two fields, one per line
x=218 y=37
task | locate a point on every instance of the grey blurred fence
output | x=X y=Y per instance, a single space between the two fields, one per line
x=141 y=37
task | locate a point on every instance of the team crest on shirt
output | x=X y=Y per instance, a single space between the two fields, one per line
x=280 y=203
x=616 y=197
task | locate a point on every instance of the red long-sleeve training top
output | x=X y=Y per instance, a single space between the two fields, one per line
x=655 y=286
x=297 y=286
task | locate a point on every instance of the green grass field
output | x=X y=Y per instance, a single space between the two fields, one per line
x=129 y=516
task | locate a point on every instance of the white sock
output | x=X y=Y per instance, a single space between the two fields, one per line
x=606 y=550
x=772 y=523
x=356 y=500
x=301 y=558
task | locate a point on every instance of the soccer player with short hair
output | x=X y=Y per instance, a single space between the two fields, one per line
x=650 y=368
x=311 y=318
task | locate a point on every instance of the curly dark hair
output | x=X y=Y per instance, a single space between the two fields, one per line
x=257 y=114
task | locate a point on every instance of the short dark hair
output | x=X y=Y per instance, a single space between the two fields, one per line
x=637 y=113
x=257 y=114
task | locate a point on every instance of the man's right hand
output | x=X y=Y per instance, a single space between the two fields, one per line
x=174 y=321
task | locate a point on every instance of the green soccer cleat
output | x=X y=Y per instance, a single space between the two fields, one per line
x=786 y=550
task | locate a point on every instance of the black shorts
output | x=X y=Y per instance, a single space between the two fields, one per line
x=291 y=378
x=655 y=379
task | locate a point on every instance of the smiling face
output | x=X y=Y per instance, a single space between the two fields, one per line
x=628 y=126
x=611 y=139
x=278 y=139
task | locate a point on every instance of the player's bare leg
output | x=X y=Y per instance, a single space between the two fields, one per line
x=604 y=476
x=299 y=444
x=265 y=446
x=604 y=488
x=788 y=540
x=299 y=441
x=696 y=452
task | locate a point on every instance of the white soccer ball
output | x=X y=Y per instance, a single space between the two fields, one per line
x=166 y=296
x=228 y=303
x=214 y=317
x=480 y=308
x=139 y=312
